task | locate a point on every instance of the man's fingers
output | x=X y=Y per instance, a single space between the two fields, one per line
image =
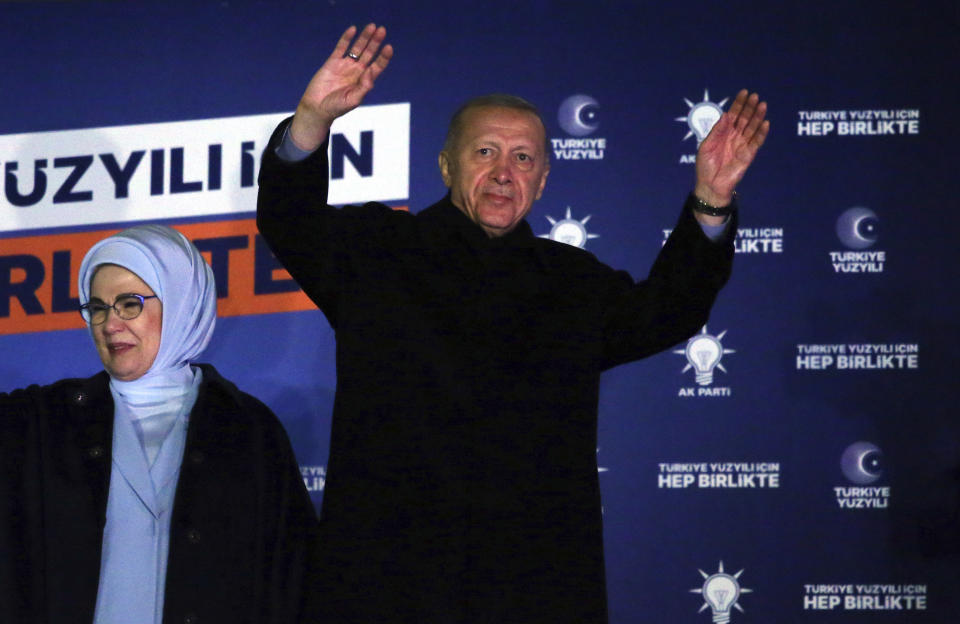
x=755 y=119
x=341 y=48
x=380 y=63
x=359 y=47
x=738 y=103
x=760 y=135
x=372 y=44
x=747 y=111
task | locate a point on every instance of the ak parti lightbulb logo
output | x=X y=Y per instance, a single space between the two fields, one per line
x=720 y=592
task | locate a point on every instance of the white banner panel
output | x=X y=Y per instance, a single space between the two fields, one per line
x=185 y=169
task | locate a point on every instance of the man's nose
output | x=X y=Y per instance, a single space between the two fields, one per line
x=501 y=172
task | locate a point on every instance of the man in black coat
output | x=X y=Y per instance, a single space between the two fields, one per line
x=462 y=480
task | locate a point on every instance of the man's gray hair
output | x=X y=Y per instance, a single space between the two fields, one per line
x=492 y=100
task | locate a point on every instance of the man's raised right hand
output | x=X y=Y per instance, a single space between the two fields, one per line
x=340 y=85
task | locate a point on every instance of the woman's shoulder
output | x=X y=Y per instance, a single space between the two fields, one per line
x=221 y=392
x=77 y=392
x=228 y=413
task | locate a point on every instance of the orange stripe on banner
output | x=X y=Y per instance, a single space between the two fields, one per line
x=38 y=274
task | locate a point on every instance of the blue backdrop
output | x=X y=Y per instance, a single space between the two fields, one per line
x=823 y=459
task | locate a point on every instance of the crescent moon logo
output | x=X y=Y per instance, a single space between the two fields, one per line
x=862 y=463
x=579 y=115
x=857 y=227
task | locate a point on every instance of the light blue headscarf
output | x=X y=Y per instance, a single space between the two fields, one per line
x=151 y=414
x=170 y=265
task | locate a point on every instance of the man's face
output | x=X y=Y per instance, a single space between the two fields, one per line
x=497 y=168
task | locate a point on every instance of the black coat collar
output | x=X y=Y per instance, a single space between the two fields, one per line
x=453 y=222
x=445 y=212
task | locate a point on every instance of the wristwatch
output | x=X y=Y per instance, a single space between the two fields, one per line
x=703 y=207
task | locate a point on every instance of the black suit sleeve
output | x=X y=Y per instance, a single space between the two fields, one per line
x=674 y=302
x=315 y=242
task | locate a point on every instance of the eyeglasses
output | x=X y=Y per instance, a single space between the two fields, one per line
x=127 y=307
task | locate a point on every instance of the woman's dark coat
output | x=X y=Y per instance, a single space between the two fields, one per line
x=242 y=530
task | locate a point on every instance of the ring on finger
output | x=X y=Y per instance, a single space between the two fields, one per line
x=354 y=56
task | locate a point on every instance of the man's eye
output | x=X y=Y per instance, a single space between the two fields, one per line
x=523 y=157
x=483 y=151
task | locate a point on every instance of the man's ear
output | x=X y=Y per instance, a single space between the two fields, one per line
x=444 y=161
x=543 y=182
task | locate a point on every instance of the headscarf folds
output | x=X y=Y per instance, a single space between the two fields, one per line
x=176 y=272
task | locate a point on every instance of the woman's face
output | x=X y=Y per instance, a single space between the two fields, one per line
x=127 y=348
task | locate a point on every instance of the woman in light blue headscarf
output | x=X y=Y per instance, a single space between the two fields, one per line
x=155 y=491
